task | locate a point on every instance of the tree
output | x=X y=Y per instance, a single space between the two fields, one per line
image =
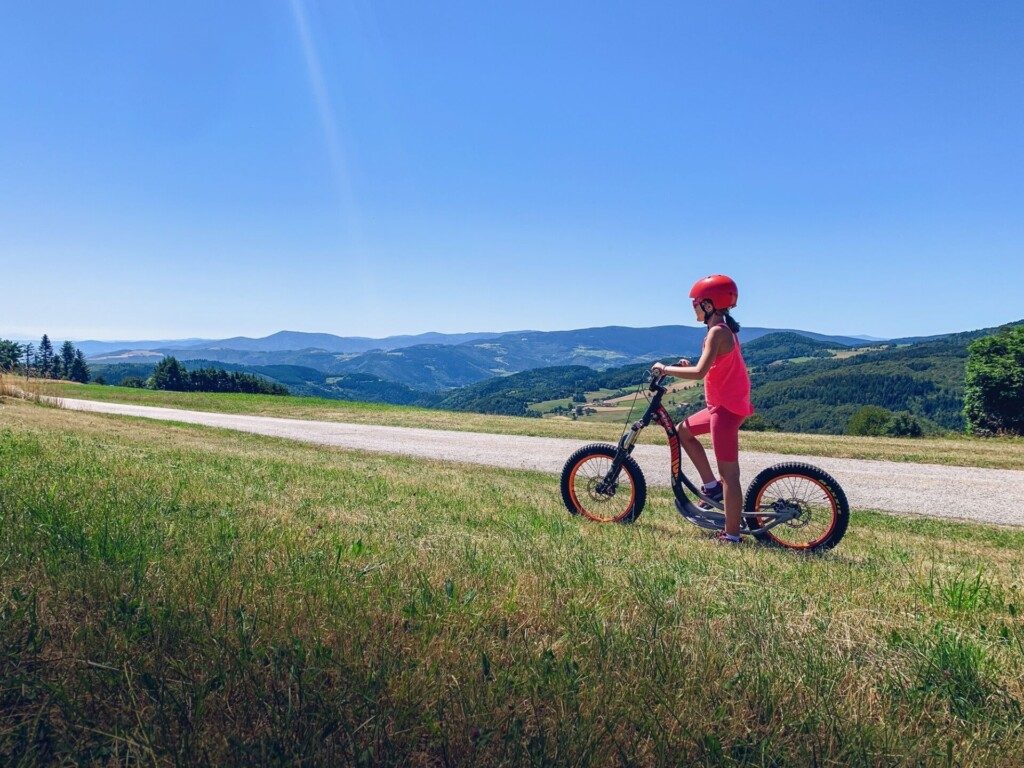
x=67 y=358
x=994 y=384
x=30 y=359
x=904 y=425
x=10 y=354
x=44 y=359
x=79 y=370
x=869 y=420
x=169 y=374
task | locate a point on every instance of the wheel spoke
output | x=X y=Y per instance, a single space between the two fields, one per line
x=602 y=507
x=817 y=509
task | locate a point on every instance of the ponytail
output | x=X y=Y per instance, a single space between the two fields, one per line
x=731 y=322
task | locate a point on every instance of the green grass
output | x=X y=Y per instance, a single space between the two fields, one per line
x=600 y=394
x=616 y=418
x=177 y=595
x=546 y=406
x=1001 y=453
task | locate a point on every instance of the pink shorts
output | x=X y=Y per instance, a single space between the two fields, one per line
x=724 y=426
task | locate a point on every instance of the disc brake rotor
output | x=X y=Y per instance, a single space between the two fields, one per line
x=597 y=495
x=801 y=515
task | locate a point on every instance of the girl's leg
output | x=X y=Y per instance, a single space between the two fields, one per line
x=725 y=436
x=698 y=424
x=733 y=495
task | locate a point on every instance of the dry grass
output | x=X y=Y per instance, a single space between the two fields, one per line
x=174 y=594
x=22 y=388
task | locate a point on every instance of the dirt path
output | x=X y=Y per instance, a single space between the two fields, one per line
x=986 y=495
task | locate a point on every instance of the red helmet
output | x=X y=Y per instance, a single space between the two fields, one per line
x=720 y=290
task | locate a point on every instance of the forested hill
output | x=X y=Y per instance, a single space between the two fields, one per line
x=785 y=345
x=511 y=395
x=926 y=379
x=798 y=383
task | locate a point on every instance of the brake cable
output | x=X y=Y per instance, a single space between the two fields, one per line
x=626 y=425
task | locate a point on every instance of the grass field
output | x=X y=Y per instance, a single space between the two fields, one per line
x=843 y=354
x=546 y=406
x=1002 y=453
x=175 y=595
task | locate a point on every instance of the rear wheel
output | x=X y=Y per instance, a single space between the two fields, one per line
x=820 y=511
x=584 y=492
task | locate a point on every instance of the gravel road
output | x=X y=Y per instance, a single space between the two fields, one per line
x=986 y=495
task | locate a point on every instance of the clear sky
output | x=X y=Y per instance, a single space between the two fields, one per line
x=172 y=169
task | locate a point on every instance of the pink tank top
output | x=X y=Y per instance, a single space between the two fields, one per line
x=727 y=383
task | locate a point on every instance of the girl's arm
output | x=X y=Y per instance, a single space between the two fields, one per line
x=707 y=357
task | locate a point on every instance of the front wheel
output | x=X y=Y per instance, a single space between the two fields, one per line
x=812 y=501
x=586 y=492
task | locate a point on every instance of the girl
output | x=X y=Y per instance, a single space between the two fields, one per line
x=727 y=391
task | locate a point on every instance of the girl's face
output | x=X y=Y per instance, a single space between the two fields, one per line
x=698 y=313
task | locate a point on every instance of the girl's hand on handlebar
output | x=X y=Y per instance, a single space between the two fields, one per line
x=658 y=370
x=684 y=363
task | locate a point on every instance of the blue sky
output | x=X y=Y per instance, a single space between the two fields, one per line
x=172 y=169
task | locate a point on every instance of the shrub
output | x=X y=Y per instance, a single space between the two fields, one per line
x=869 y=420
x=758 y=423
x=904 y=425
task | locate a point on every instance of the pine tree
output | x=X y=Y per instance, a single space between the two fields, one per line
x=67 y=359
x=44 y=359
x=170 y=375
x=29 y=351
x=79 y=370
x=10 y=355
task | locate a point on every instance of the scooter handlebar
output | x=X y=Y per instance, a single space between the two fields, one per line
x=656 y=382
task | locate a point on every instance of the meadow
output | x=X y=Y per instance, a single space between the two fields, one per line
x=173 y=594
x=999 y=453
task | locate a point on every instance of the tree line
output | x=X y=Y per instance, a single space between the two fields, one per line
x=171 y=375
x=68 y=363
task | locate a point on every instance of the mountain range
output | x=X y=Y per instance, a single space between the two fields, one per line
x=802 y=382
x=282 y=341
x=438 y=362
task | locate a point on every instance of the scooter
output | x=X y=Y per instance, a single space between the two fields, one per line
x=792 y=505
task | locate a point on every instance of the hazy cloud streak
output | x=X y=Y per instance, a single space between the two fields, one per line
x=328 y=120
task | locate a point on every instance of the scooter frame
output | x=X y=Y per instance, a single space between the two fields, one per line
x=710 y=519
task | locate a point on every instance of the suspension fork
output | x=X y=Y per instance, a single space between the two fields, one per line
x=622 y=450
x=628 y=440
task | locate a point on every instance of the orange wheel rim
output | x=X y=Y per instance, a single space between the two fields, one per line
x=590 y=480
x=812 y=508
